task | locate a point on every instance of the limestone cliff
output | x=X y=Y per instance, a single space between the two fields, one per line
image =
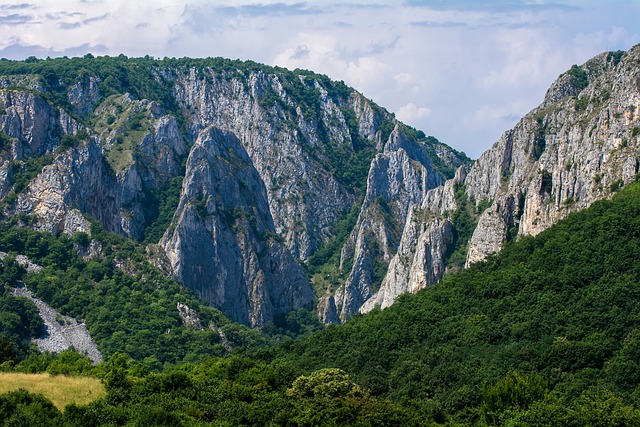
x=223 y=242
x=580 y=145
x=266 y=162
x=398 y=179
x=267 y=190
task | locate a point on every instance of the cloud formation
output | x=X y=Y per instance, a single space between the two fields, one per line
x=462 y=70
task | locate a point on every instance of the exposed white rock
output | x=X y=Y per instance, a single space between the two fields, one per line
x=559 y=158
x=189 y=316
x=61 y=332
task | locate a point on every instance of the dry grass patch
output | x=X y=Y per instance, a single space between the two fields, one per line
x=61 y=390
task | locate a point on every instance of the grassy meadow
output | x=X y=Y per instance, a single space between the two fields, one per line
x=60 y=389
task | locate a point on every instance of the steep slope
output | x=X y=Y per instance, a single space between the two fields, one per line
x=561 y=307
x=241 y=168
x=224 y=243
x=580 y=145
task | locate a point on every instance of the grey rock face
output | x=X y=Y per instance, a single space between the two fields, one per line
x=223 y=244
x=305 y=199
x=579 y=146
x=75 y=182
x=398 y=179
x=427 y=236
x=419 y=261
x=562 y=156
x=83 y=96
x=189 y=316
x=34 y=124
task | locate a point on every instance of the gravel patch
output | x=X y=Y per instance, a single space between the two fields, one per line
x=62 y=332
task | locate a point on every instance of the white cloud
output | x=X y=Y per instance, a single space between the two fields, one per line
x=411 y=114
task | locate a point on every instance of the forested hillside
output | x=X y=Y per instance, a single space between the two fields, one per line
x=545 y=333
x=549 y=324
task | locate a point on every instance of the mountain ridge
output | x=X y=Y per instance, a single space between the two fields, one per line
x=273 y=162
x=307 y=141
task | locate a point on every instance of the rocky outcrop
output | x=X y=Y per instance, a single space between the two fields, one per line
x=189 y=317
x=35 y=126
x=223 y=243
x=418 y=263
x=287 y=142
x=561 y=157
x=399 y=178
x=75 y=182
x=84 y=96
x=102 y=178
x=61 y=332
x=581 y=145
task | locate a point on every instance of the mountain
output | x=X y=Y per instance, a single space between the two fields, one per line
x=580 y=145
x=544 y=333
x=185 y=209
x=234 y=173
x=267 y=191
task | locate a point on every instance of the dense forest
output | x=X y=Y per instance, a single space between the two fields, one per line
x=545 y=333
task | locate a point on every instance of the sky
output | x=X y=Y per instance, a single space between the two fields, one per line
x=464 y=71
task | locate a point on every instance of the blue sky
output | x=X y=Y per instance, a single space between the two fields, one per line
x=462 y=70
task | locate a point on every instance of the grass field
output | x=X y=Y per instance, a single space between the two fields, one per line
x=61 y=390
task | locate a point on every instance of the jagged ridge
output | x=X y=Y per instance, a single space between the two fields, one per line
x=270 y=161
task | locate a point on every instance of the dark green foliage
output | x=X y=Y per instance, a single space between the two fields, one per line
x=515 y=391
x=430 y=144
x=68 y=141
x=330 y=252
x=200 y=206
x=616 y=185
x=635 y=132
x=546 y=180
x=464 y=221
x=67 y=362
x=5 y=141
x=539 y=139
x=615 y=57
x=135 y=314
x=578 y=77
x=581 y=103
x=19 y=318
x=163 y=205
x=21 y=408
x=229 y=392
x=483 y=205
x=560 y=309
x=293 y=324
x=19 y=322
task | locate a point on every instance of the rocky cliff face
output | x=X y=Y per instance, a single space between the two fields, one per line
x=398 y=179
x=223 y=242
x=269 y=162
x=266 y=190
x=580 y=145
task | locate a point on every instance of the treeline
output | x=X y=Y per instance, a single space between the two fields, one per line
x=144 y=77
